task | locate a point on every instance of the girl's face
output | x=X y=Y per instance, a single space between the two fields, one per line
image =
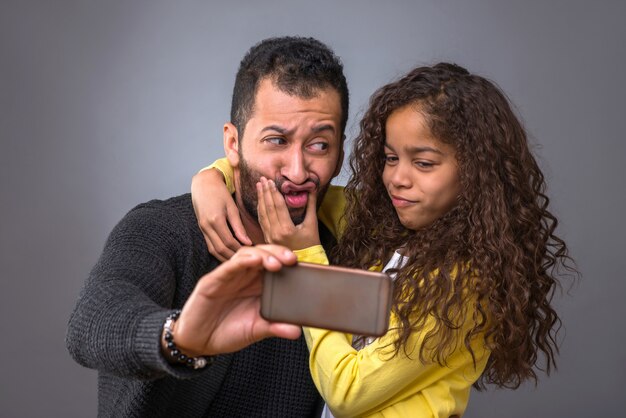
x=421 y=172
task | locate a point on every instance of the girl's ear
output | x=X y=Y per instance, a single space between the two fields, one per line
x=231 y=144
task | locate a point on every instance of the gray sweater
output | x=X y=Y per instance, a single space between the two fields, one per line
x=149 y=266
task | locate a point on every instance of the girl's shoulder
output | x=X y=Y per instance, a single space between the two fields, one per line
x=332 y=209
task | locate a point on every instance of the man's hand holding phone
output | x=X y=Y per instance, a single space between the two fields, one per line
x=222 y=313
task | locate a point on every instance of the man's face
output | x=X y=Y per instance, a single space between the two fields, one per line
x=294 y=141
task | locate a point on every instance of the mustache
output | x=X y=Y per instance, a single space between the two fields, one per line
x=280 y=185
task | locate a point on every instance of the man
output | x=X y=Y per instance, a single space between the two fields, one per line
x=288 y=115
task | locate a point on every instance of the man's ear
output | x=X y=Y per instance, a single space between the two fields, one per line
x=231 y=144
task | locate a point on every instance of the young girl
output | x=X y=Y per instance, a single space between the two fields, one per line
x=446 y=195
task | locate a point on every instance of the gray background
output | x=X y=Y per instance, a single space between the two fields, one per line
x=107 y=104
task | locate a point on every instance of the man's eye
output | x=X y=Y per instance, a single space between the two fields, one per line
x=319 y=146
x=276 y=140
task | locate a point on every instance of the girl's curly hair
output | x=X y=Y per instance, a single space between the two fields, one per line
x=494 y=259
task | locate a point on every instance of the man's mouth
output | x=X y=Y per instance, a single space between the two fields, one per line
x=297 y=196
x=296 y=199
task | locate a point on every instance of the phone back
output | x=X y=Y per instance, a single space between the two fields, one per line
x=328 y=297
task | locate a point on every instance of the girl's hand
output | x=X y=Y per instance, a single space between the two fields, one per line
x=274 y=218
x=216 y=210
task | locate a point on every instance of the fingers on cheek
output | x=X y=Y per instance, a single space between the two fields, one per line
x=259 y=192
x=273 y=194
x=267 y=195
x=274 y=191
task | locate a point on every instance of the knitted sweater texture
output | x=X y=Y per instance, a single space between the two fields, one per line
x=150 y=265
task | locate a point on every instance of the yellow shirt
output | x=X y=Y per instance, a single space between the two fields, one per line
x=368 y=382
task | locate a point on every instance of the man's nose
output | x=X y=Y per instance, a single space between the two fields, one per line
x=295 y=168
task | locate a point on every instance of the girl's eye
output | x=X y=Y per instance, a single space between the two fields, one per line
x=390 y=159
x=424 y=164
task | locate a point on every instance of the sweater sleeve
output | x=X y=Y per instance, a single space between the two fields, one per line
x=330 y=211
x=117 y=322
x=361 y=382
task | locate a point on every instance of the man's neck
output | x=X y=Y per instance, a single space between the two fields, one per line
x=253 y=229
x=250 y=224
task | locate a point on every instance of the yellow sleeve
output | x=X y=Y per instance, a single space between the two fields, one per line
x=224 y=167
x=330 y=211
x=315 y=254
x=367 y=381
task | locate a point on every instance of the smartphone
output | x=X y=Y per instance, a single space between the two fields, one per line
x=329 y=297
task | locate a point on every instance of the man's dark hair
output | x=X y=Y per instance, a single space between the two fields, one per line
x=297 y=66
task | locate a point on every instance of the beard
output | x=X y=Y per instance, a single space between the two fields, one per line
x=248 y=180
